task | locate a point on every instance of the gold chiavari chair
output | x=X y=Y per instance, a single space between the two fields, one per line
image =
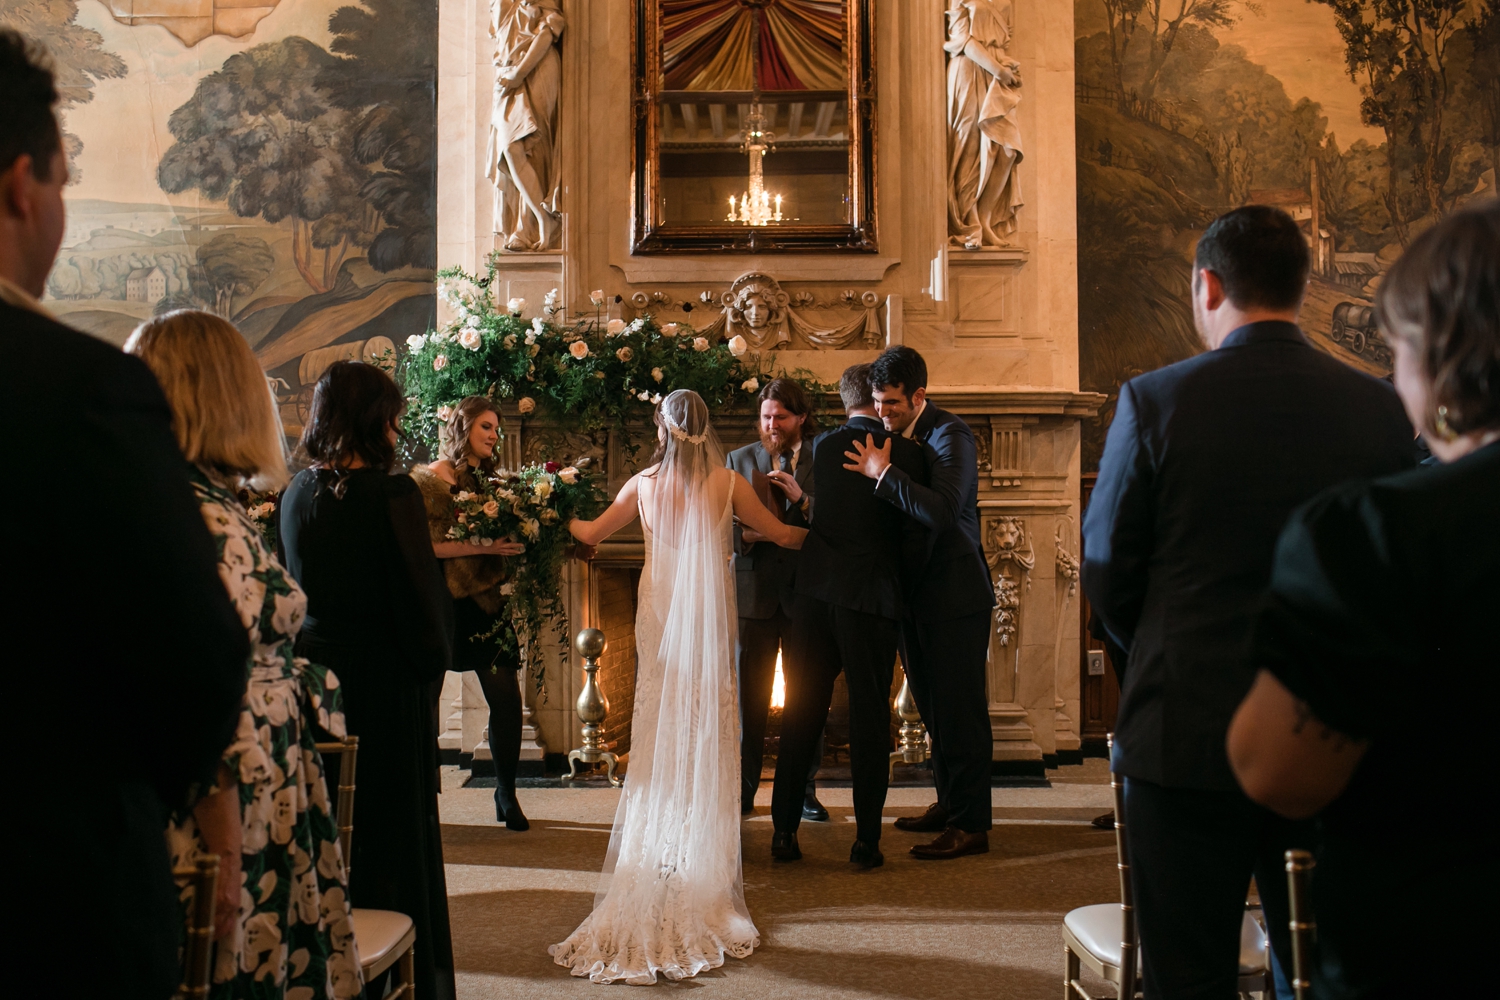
x=384 y=937
x=1299 y=866
x=1103 y=936
x=197 y=953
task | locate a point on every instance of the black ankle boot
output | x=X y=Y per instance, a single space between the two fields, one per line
x=508 y=811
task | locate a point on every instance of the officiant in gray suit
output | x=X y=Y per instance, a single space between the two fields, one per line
x=780 y=467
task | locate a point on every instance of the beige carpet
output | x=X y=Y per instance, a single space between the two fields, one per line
x=984 y=926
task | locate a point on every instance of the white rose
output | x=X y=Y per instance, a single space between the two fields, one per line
x=491 y=509
x=643 y=395
x=440 y=362
x=514 y=306
x=657 y=374
x=700 y=343
x=578 y=349
x=750 y=384
x=509 y=342
x=656 y=399
x=669 y=330
x=537 y=326
x=445 y=412
x=486 y=542
x=416 y=342
x=624 y=354
x=473 y=322
x=597 y=296
x=525 y=404
x=469 y=339
x=542 y=488
x=568 y=475
x=464 y=496
x=737 y=346
x=636 y=325
x=614 y=327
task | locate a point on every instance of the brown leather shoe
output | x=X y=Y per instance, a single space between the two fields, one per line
x=931 y=821
x=954 y=843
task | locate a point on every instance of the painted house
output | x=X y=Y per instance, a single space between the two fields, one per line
x=145 y=284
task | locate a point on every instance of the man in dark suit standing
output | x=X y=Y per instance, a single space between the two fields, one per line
x=1204 y=461
x=780 y=464
x=946 y=632
x=116 y=593
x=847 y=617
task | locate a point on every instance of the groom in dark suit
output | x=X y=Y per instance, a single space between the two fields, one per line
x=946 y=632
x=847 y=617
x=780 y=464
x=128 y=612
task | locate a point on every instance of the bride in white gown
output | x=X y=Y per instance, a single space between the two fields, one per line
x=672 y=901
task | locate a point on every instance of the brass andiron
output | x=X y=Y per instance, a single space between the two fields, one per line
x=592 y=709
x=911 y=745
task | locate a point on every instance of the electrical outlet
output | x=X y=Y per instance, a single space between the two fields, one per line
x=1096 y=662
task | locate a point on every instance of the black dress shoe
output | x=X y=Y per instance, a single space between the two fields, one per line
x=784 y=847
x=508 y=811
x=812 y=809
x=1105 y=821
x=954 y=843
x=931 y=821
x=747 y=806
x=866 y=855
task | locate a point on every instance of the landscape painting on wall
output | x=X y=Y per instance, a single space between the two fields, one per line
x=275 y=164
x=1367 y=120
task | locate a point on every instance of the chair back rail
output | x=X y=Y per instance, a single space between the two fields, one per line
x=348 y=751
x=197 y=957
x=1129 y=956
x=1299 y=866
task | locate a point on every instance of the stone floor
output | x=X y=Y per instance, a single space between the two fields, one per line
x=985 y=926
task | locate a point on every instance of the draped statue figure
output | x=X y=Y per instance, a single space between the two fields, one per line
x=984 y=140
x=521 y=160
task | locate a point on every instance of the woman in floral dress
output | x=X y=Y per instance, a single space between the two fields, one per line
x=284 y=928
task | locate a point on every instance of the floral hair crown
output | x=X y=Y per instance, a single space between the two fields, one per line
x=680 y=434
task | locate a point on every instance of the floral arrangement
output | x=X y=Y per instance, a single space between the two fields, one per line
x=593 y=375
x=264 y=510
x=532 y=506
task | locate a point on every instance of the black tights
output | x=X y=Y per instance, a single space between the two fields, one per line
x=503 y=691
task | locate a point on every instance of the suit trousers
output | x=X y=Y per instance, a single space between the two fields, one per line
x=756 y=664
x=1192 y=852
x=945 y=665
x=829 y=639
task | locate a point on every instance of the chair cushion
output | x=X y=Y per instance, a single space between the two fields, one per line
x=1098 y=929
x=379 y=933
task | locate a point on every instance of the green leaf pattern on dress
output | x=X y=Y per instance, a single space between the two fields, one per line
x=294 y=939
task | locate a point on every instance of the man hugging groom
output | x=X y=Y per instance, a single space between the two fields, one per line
x=893 y=564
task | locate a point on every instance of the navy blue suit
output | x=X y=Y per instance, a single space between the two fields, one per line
x=946 y=632
x=1204 y=461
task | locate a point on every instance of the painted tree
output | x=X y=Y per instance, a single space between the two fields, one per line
x=261 y=134
x=78 y=56
x=1164 y=21
x=231 y=264
x=387 y=83
x=1484 y=77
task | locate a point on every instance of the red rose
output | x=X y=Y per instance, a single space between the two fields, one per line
x=551 y=466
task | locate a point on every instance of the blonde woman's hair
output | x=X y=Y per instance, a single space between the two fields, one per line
x=223 y=410
x=453 y=436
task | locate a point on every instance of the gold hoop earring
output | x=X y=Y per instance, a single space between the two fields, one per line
x=1445 y=432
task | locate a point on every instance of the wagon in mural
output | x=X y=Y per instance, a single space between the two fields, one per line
x=1354 y=326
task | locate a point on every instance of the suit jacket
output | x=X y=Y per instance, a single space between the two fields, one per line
x=764 y=572
x=861 y=551
x=113 y=582
x=955 y=582
x=1204 y=461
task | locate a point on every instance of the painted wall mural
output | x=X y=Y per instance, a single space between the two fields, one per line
x=285 y=179
x=1367 y=120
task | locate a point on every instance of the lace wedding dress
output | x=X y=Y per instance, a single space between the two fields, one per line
x=672 y=900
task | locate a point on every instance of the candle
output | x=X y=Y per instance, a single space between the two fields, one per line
x=731 y=208
x=778 y=208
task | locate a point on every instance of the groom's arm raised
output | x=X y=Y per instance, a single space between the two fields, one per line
x=618 y=515
x=951 y=468
x=753 y=514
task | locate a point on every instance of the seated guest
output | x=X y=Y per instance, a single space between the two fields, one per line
x=1378 y=589
x=378 y=612
x=133 y=629
x=268 y=819
x=467 y=446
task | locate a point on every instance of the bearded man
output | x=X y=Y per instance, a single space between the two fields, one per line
x=780 y=466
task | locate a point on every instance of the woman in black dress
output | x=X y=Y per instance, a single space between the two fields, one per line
x=475 y=577
x=1383 y=599
x=379 y=614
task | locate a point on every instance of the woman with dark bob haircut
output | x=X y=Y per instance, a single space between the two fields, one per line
x=1383 y=591
x=379 y=614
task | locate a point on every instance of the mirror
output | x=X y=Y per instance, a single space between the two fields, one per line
x=754 y=126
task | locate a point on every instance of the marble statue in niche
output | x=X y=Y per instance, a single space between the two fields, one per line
x=521 y=160
x=984 y=139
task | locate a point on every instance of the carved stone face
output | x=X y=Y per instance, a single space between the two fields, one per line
x=1006 y=533
x=755 y=307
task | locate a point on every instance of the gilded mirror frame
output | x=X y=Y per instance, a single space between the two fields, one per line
x=651 y=234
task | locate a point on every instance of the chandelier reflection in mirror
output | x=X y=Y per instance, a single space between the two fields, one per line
x=754 y=126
